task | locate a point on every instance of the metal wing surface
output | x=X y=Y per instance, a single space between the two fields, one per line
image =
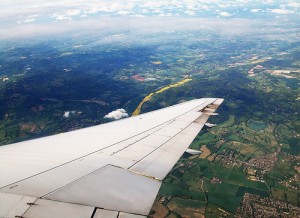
x=110 y=170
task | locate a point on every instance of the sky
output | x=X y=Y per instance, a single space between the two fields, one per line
x=31 y=18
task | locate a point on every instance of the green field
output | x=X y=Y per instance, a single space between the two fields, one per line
x=256 y=125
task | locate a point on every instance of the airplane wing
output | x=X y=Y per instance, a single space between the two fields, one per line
x=110 y=170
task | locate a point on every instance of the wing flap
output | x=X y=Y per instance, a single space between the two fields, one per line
x=160 y=162
x=112 y=188
x=49 y=209
x=100 y=213
x=128 y=215
x=46 y=182
x=12 y=205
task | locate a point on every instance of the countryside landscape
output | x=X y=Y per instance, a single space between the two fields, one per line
x=250 y=161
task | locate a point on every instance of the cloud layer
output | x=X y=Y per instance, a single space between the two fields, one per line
x=132 y=29
x=117 y=114
x=24 y=19
x=55 y=10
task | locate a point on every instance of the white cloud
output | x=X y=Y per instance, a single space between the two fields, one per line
x=123 y=12
x=256 y=10
x=294 y=4
x=117 y=114
x=268 y=1
x=29 y=20
x=281 y=11
x=66 y=114
x=225 y=14
x=73 y=12
x=204 y=7
x=93 y=10
x=61 y=17
x=145 y=11
x=137 y=15
x=66 y=15
x=191 y=13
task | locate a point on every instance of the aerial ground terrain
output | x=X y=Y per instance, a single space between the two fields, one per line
x=65 y=67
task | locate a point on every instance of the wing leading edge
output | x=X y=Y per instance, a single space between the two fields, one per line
x=110 y=170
